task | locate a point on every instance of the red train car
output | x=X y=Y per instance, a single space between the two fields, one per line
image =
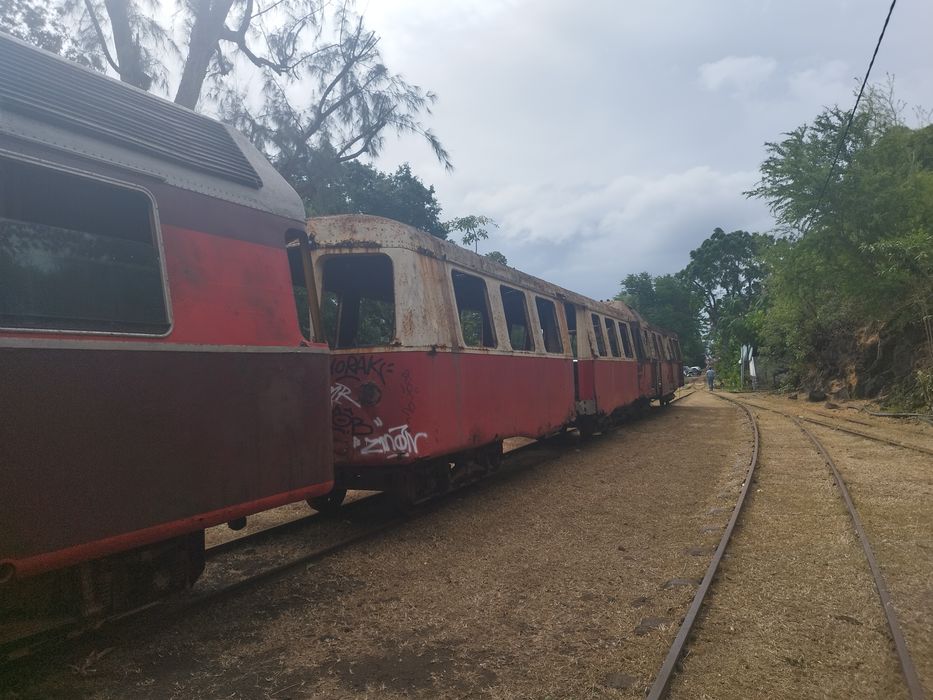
x=155 y=379
x=439 y=354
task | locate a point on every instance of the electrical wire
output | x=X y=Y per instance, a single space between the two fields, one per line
x=845 y=133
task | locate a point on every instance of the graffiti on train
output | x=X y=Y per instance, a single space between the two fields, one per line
x=394 y=441
x=360 y=368
x=357 y=387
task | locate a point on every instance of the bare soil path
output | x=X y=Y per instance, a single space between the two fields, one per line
x=565 y=580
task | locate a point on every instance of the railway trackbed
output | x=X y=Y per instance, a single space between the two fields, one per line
x=833 y=423
x=792 y=612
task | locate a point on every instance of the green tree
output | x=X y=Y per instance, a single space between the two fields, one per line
x=473 y=227
x=726 y=273
x=670 y=303
x=325 y=86
x=857 y=261
x=357 y=188
x=498 y=257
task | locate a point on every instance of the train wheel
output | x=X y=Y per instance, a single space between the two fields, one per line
x=329 y=503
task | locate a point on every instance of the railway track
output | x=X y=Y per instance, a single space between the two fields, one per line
x=843 y=429
x=908 y=669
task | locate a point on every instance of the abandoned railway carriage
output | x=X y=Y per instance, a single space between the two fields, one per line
x=439 y=354
x=153 y=376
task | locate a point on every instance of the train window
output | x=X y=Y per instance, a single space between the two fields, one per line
x=646 y=345
x=677 y=354
x=473 y=310
x=77 y=254
x=600 y=340
x=516 y=318
x=611 y=334
x=550 y=331
x=570 y=313
x=358 y=301
x=296 y=257
x=657 y=347
x=626 y=339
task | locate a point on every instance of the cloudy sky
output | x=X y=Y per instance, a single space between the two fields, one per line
x=612 y=137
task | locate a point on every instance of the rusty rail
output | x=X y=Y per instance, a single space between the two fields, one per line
x=663 y=679
x=851 y=431
x=903 y=654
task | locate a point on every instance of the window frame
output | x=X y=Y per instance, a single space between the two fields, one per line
x=557 y=327
x=492 y=319
x=597 y=324
x=625 y=334
x=613 y=337
x=529 y=328
x=155 y=230
x=323 y=267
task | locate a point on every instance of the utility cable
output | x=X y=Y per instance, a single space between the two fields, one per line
x=845 y=133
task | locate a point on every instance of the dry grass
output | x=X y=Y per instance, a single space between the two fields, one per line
x=795 y=613
x=544 y=582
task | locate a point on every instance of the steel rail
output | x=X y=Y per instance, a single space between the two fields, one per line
x=851 y=431
x=908 y=668
x=662 y=681
x=903 y=654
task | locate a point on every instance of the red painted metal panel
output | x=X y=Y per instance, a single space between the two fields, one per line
x=616 y=384
x=70 y=556
x=229 y=292
x=399 y=407
x=100 y=443
x=587 y=374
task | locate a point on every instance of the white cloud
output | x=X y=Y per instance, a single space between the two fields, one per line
x=824 y=84
x=588 y=236
x=740 y=73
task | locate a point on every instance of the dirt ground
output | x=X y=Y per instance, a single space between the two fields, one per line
x=564 y=580
x=569 y=579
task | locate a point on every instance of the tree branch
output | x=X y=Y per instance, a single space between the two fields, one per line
x=100 y=35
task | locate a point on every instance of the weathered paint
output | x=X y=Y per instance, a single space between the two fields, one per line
x=100 y=443
x=106 y=448
x=426 y=395
x=400 y=407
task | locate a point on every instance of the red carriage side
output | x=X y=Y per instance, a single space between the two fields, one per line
x=155 y=380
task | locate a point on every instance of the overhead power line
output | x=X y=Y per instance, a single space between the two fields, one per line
x=845 y=133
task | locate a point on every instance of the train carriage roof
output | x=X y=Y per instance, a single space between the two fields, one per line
x=370 y=233
x=58 y=104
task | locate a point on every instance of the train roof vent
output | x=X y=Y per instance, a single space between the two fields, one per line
x=45 y=87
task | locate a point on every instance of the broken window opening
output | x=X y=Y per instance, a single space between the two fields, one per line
x=657 y=347
x=570 y=313
x=600 y=340
x=516 y=319
x=473 y=310
x=550 y=331
x=611 y=334
x=677 y=353
x=626 y=339
x=358 y=304
x=77 y=254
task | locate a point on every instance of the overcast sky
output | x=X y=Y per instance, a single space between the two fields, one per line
x=612 y=137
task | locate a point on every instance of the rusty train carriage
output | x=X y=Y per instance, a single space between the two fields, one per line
x=154 y=378
x=439 y=354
